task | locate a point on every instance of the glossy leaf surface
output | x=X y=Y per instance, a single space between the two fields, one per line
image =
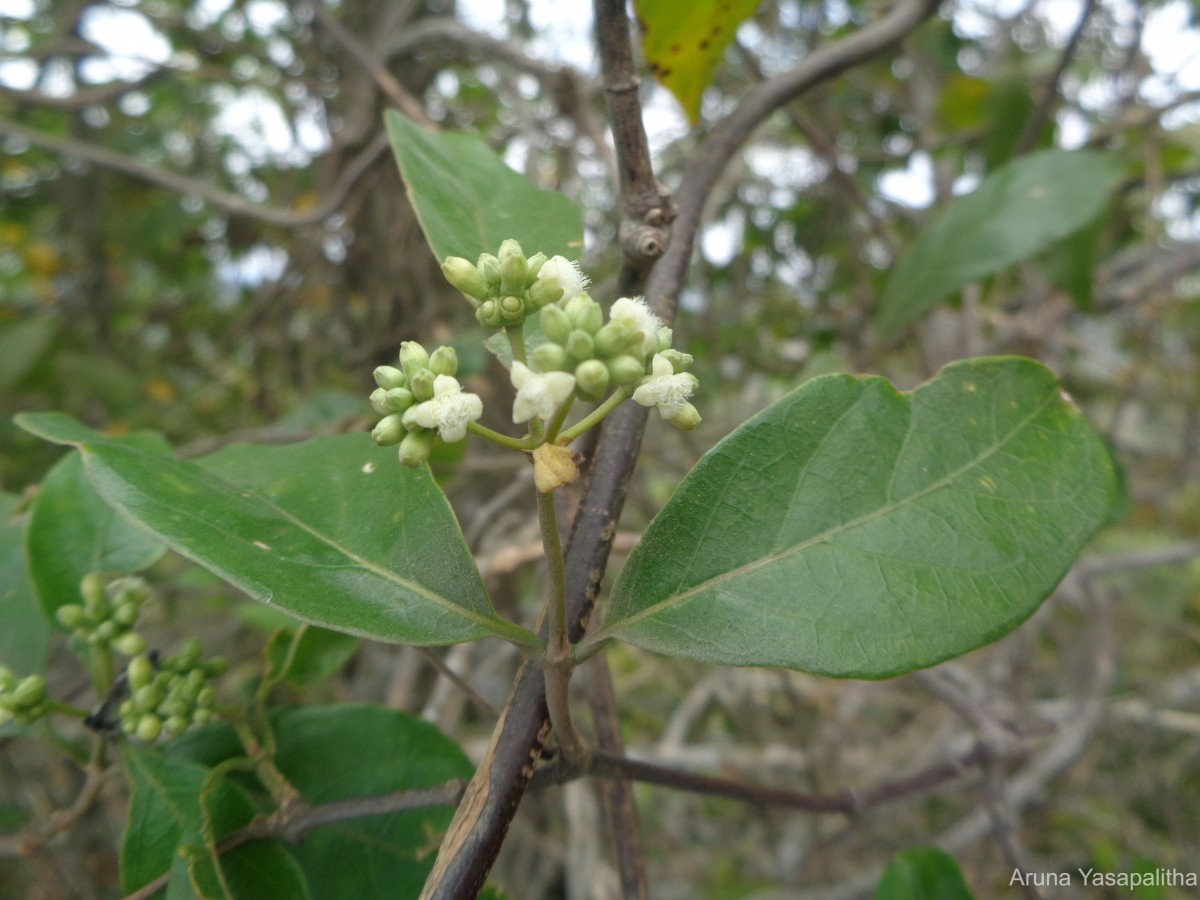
x=24 y=631
x=855 y=531
x=1017 y=212
x=925 y=872
x=332 y=531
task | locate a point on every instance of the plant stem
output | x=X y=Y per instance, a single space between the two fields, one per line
x=504 y=440
x=557 y=663
x=596 y=416
x=560 y=416
x=66 y=709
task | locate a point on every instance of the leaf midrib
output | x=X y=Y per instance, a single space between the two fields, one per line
x=614 y=628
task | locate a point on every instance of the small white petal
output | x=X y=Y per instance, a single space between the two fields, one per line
x=566 y=272
x=635 y=315
x=538 y=396
x=664 y=389
x=450 y=410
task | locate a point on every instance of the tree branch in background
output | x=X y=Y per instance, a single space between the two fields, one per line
x=1045 y=107
x=228 y=202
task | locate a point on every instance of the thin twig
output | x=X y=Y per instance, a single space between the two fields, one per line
x=46 y=829
x=1041 y=115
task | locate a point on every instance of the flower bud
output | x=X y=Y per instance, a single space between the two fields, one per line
x=379 y=401
x=413 y=358
x=416 y=447
x=687 y=419
x=207 y=696
x=202 y=717
x=7 y=679
x=190 y=654
x=70 y=616
x=488 y=314
x=388 y=377
x=545 y=291
x=130 y=644
x=106 y=631
x=398 y=400
x=91 y=587
x=591 y=377
x=149 y=727
x=147 y=697
x=549 y=357
x=512 y=310
x=443 y=361
x=466 y=277
x=489 y=268
x=625 y=370
x=174 y=707
x=139 y=672
x=580 y=345
x=30 y=691
x=390 y=430
x=664 y=337
x=513 y=267
x=126 y=614
x=680 y=362
x=175 y=726
x=421 y=385
x=585 y=313
x=216 y=666
x=615 y=338
x=556 y=324
x=533 y=265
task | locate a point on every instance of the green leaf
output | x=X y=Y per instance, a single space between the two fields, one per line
x=685 y=42
x=336 y=753
x=468 y=200
x=1018 y=211
x=854 y=531
x=72 y=531
x=24 y=631
x=924 y=872
x=21 y=346
x=333 y=531
x=320 y=654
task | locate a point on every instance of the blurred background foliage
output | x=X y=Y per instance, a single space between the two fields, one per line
x=202 y=232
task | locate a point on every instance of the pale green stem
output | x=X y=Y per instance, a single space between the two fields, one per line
x=66 y=709
x=596 y=416
x=560 y=416
x=522 y=444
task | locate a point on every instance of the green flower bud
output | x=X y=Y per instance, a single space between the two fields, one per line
x=206 y=697
x=443 y=361
x=70 y=616
x=580 y=345
x=413 y=358
x=129 y=590
x=126 y=614
x=625 y=370
x=556 y=324
x=512 y=310
x=585 y=313
x=665 y=336
x=548 y=358
x=680 y=362
x=176 y=707
x=388 y=377
x=195 y=679
x=513 y=267
x=190 y=654
x=147 y=697
x=106 y=630
x=533 y=266
x=126 y=709
x=30 y=691
x=488 y=314
x=489 y=268
x=615 y=338
x=8 y=704
x=466 y=277
x=202 y=717
x=175 y=726
x=7 y=679
x=398 y=400
x=379 y=401
x=545 y=291
x=215 y=667
x=687 y=419
x=149 y=727
x=591 y=378
x=421 y=385
x=389 y=431
x=416 y=447
x=129 y=644
x=91 y=587
x=140 y=671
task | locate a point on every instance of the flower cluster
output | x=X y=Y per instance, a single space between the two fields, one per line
x=24 y=700
x=509 y=286
x=168 y=696
x=108 y=612
x=420 y=400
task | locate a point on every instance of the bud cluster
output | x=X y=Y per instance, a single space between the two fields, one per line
x=168 y=698
x=22 y=700
x=108 y=612
x=509 y=286
x=420 y=400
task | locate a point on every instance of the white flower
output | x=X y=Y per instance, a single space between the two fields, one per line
x=566 y=273
x=635 y=315
x=664 y=389
x=539 y=395
x=450 y=410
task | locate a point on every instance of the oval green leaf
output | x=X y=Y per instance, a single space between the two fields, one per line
x=855 y=531
x=925 y=872
x=333 y=531
x=468 y=200
x=24 y=631
x=1017 y=212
